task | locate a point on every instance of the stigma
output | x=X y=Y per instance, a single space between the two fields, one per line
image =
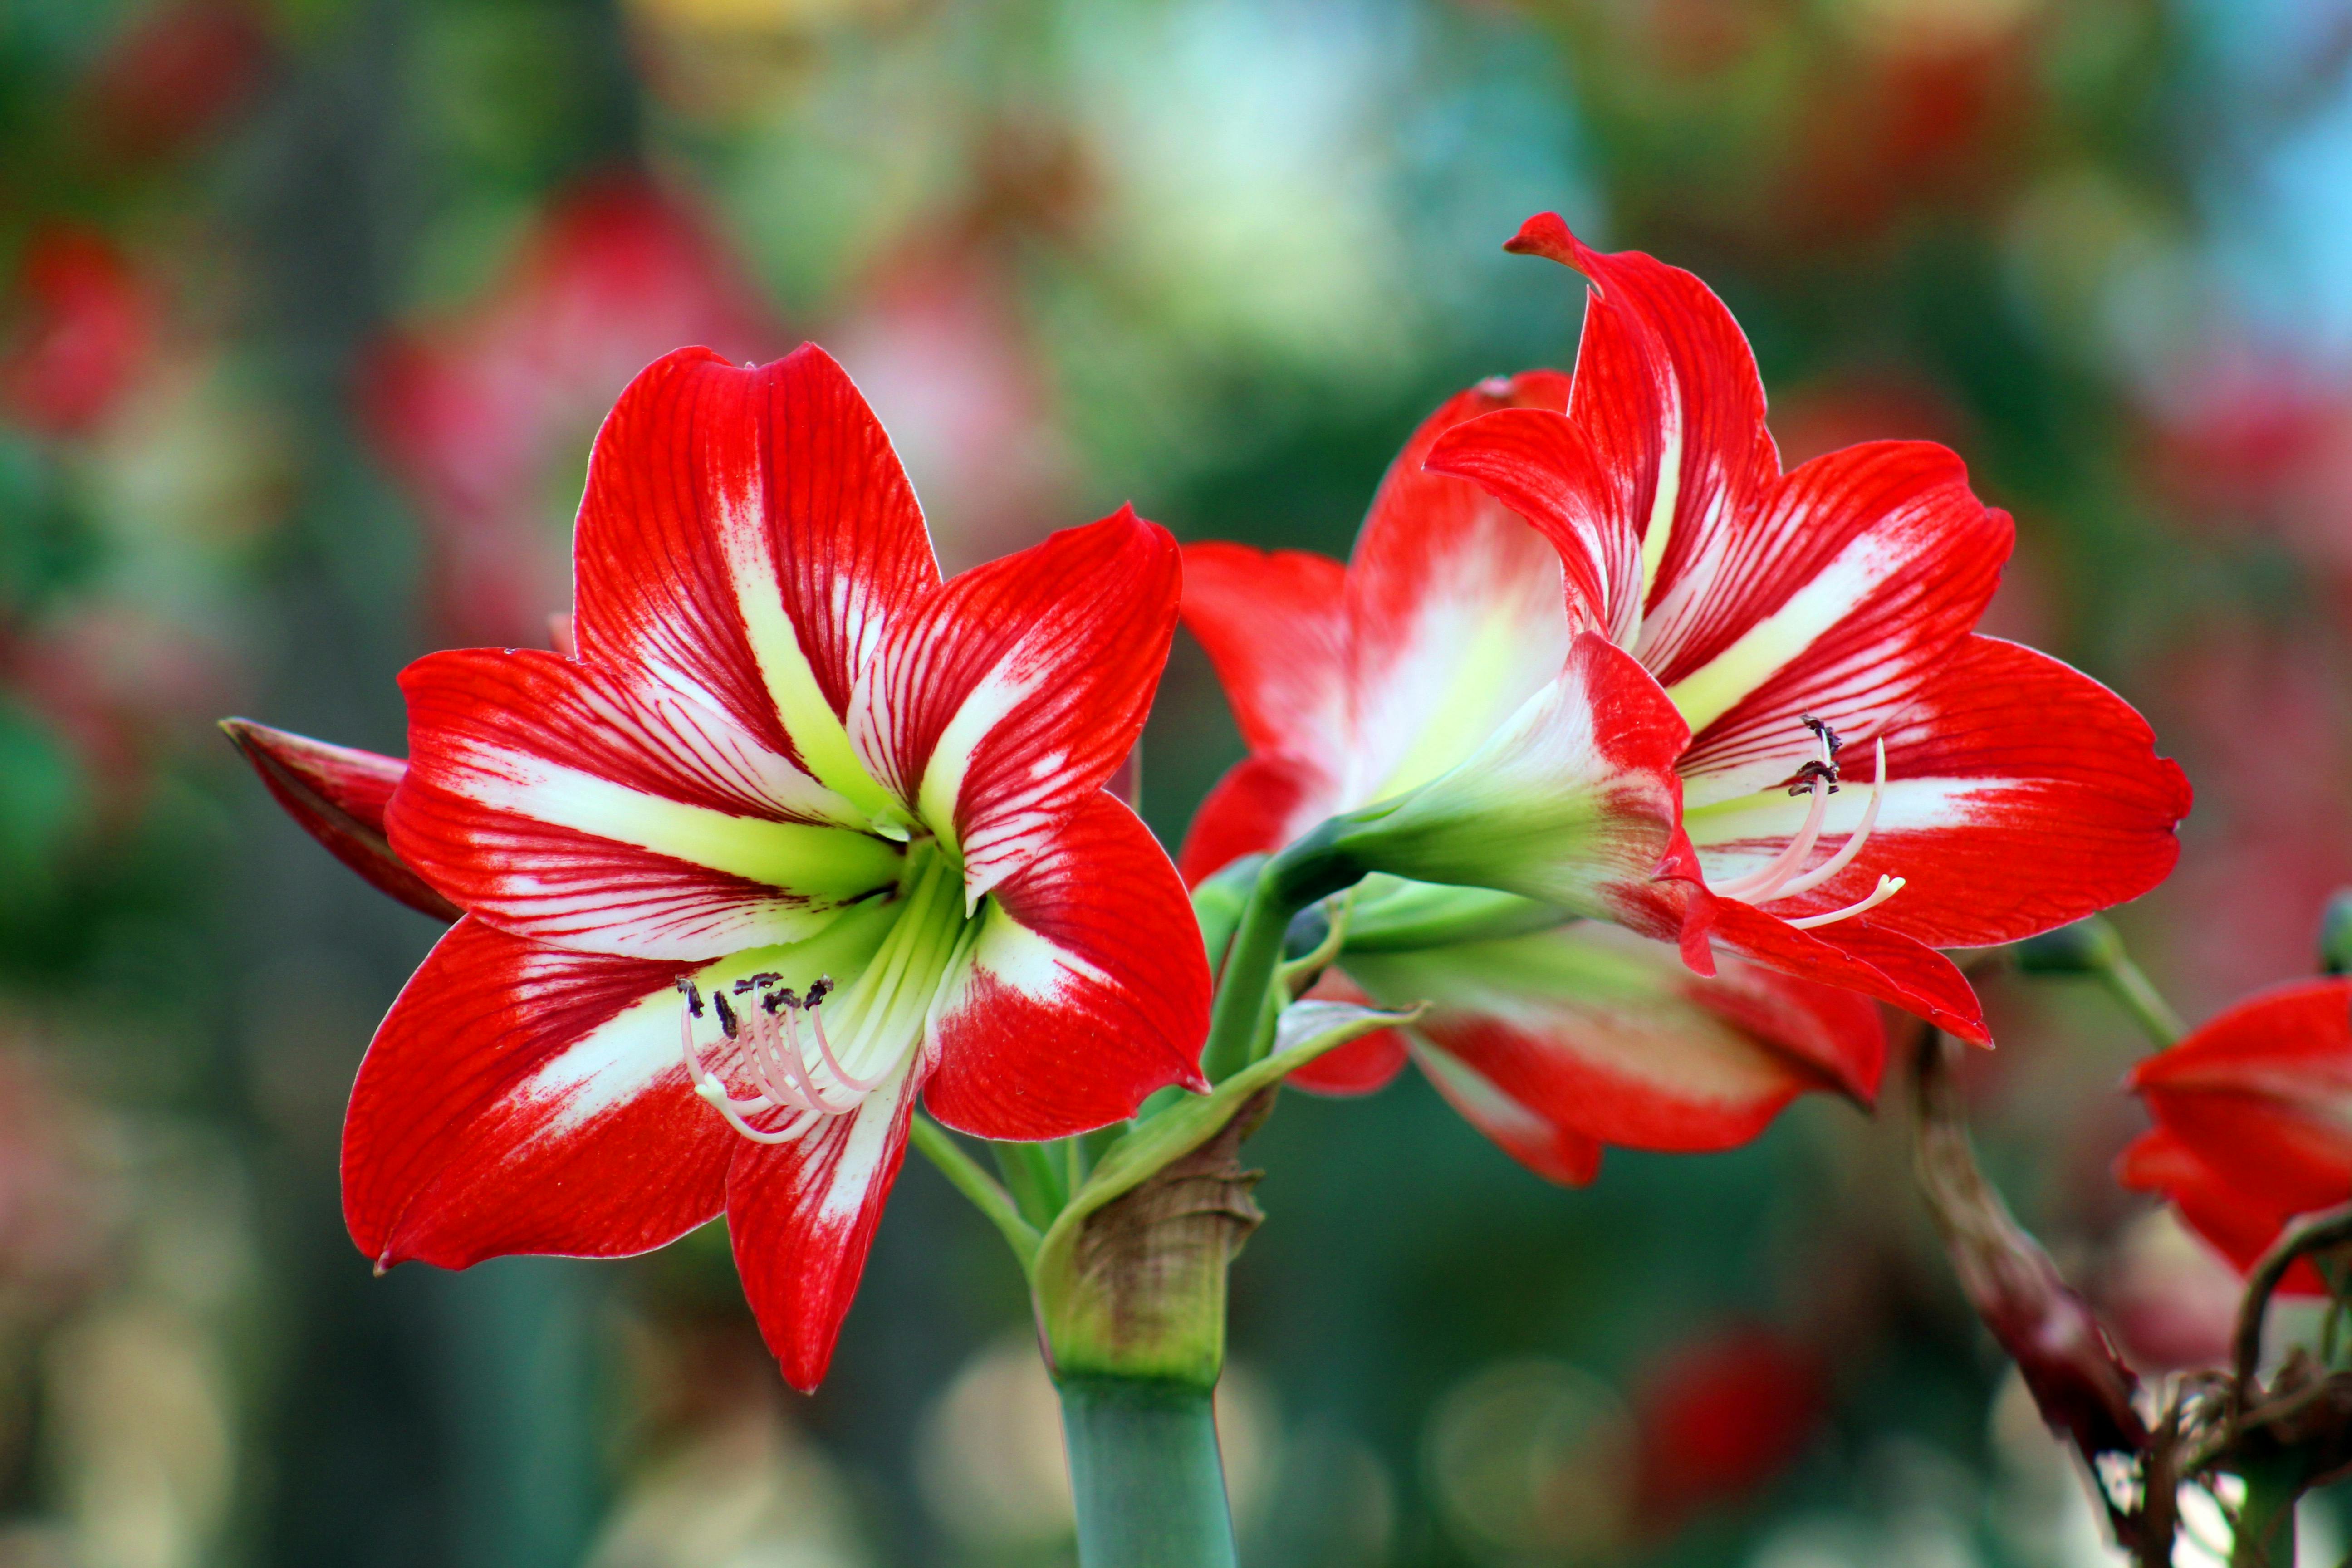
x=1787 y=875
x=782 y=1053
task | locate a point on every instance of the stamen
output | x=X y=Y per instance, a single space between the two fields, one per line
x=769 y=1050
x=1844 y=857
x=833 y=1064
x=1758 y=886
x=1887 y=887
x=1784 y=878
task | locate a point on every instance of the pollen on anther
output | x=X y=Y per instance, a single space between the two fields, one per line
x=726 y=1013
x=686 y=989
x=820 y=990
x=1821 y=730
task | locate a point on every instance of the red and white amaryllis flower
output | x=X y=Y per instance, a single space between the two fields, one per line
x=801 y=831
x=1359 y=684
x=2253 y=1121
x=1674 y=751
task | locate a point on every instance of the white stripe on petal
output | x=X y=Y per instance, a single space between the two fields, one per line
x=826 y=864
x=1768 y=646
x=818 y=731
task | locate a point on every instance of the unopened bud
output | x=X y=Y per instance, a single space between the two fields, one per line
x=2086 y=947
x=2335 y=935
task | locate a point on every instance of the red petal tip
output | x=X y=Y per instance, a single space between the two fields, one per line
x=1546 y=234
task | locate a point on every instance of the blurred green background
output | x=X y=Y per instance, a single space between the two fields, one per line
x=308 y=310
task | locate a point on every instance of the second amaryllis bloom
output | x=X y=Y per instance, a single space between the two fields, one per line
x=2253 y=1121
x=800 y=834
x=1729 y=705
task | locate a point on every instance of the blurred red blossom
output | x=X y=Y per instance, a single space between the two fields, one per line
x=2254 y=1120
x=120 y=684
x=176 y=72
x=2272 y=837
x=1721 y=1416
x=485 y=415
x=84 y=329
x=2249 y=441
x=939 y=340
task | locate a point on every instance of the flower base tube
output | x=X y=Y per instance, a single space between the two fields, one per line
x=1146 y=1474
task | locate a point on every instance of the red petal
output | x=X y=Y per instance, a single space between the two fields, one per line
x=1607 y=1036
x=2240 y=1224
x=1843 y=593
x=1549 y=1150
x=801 y=1217
x=1261 y=805
x=717 y=498
x=564 y=802
x=1088 y=991
x=1274 y=624
x=1454 y=610
x=1540 y=464
x=1665 y=389
x=338 y=795
x=1000 y=706
x=1858 y=956
x=1360 y=1067
x=521 y=1099
x=2024 y=795
x=2262 y=1094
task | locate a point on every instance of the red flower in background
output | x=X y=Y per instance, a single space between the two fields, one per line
x=1788 y=615
x=1352 y=684
x=1644 y=723
x=176 y=72
x=483 y=416
x=84 y=329
x=801 y=833
x=1720 y=1417
x=2253 y=1121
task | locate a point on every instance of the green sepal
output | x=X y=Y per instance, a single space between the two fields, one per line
x=1130 y=1279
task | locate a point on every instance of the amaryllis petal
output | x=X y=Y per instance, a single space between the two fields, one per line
x=1263 y=802
x=1859 y=956
x=2263 y=1094
x=2022 y=795
x=999 y=707
x=1088 y=989
x=1454 y=610
x=338 y=795
x=801 y=1217
x=1608 y=1036
x=522 y=1099
x=1574 y=802
x=2240 y=1224
x=746 y=536
x=1667 y=394
x=1542 y=467
x=1362 y=1065
x=1840 y=594
x=565 y=802
x=1274 y=624
x=1549 y=1150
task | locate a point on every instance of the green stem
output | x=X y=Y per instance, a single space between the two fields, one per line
x=1146 y=1474
x=1307 y=870
x=1034 y=1177
x=963 y=1171
x=2130 y=986
x=2264 y=1537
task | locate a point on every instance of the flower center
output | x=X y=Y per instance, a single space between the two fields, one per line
x=781 y=1062
x=1786 y=876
